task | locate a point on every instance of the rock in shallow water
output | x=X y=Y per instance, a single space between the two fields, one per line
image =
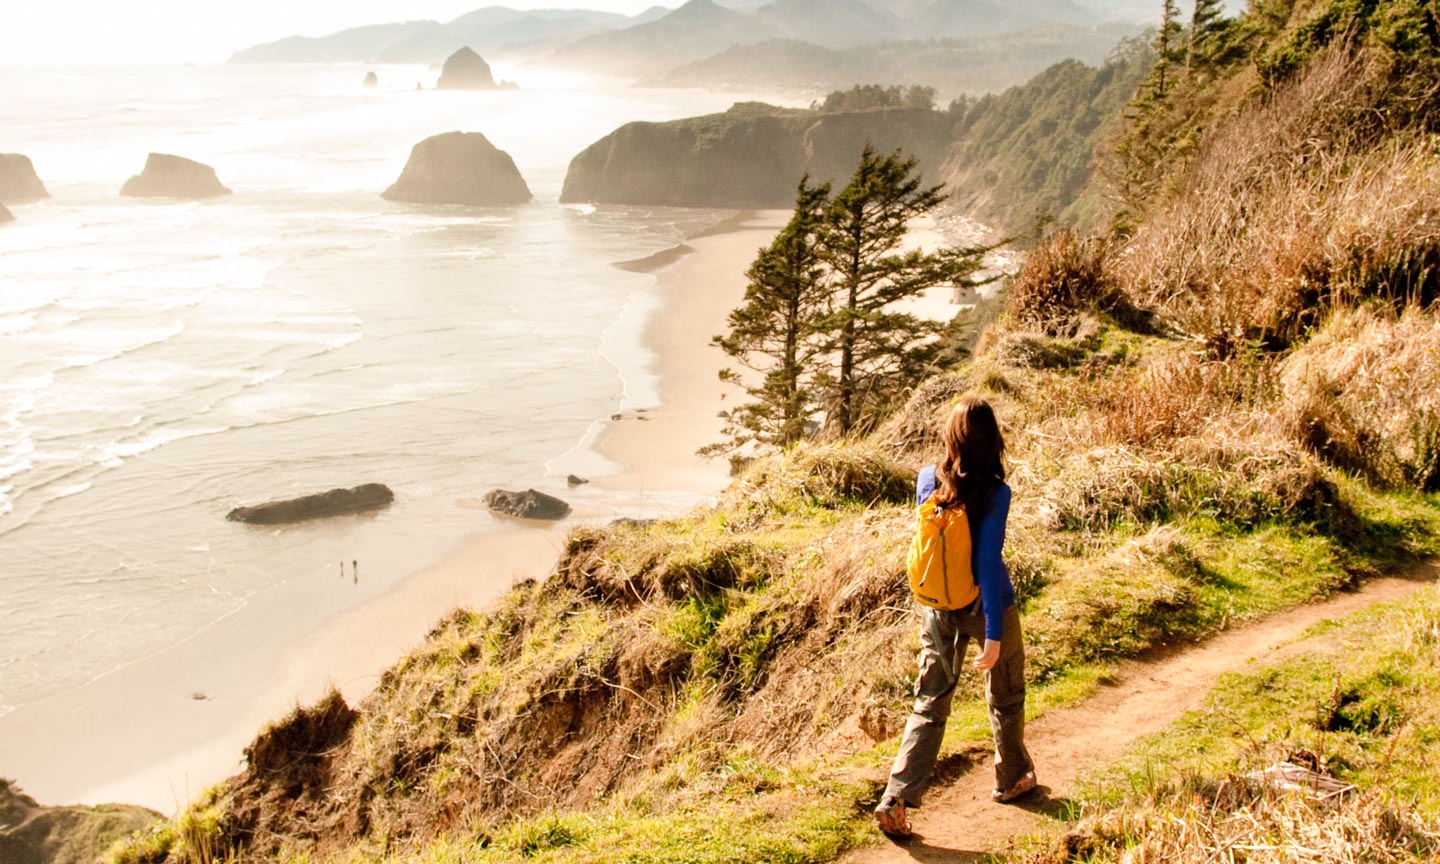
x=336 y=502
x=466 y=70
x=18 y=182
x=459 y=168
x=167 y=176
x=529 y=504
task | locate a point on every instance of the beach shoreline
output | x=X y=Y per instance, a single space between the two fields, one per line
x=647 y=467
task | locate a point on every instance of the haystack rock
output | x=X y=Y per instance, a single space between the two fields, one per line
x=466 y=70
x=336 y=502
x=5 y=215
x=168 y=176
x=18 y=181
x=371 y=79
x=459 y=168
x=529 y=504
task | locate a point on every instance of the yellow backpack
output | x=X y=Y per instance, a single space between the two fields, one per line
x=939 y=559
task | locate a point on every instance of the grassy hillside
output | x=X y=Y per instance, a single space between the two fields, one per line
x=1225 y=406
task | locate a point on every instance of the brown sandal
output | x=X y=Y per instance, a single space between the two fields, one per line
x=891 y=817
x=1024 y=786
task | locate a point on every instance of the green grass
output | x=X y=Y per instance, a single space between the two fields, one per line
x=1360 y=699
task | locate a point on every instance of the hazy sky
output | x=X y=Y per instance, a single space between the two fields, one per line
x=167 y=31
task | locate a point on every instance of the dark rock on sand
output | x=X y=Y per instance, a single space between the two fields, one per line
x=371 y=79
x=336 y=502
x=167 y=176
x=18 y=181
x=32 y=834
x=529 y=504
x=466 y=70
x=459 y=168
x=574 y=480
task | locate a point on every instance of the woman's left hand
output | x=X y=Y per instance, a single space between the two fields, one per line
x=989 y=657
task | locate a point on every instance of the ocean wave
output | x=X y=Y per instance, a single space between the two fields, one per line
x=112 y=455
x=13 y=325
x=74 y=489
x=157 y=336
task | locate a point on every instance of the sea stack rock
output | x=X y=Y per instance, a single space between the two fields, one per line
x=5 y=215
x=459 y=168
x=168 y=176
x=18 y=181
x=371 y=79
x=529 y=504
x=336 y=502
x=466 y=70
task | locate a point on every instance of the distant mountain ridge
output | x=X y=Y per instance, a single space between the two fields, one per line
x=660 y=39
x=486 y=30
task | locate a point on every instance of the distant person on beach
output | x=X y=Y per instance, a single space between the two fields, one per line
x=972 y=474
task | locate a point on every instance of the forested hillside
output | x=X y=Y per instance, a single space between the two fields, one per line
x=1223 y=403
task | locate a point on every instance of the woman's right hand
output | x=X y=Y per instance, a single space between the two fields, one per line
x=989 y=657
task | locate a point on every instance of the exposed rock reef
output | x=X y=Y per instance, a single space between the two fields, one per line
x=336 y=502
x=18 y=181
x=751 y=156
x=32 y=834
x=529 y=504
x=466 y=70
x=167 y=176
x=459 y=168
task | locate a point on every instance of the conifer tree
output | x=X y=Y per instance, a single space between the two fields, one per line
x=1168 y=46
x=775 y=332
x=875 y=349
x=1205 y=20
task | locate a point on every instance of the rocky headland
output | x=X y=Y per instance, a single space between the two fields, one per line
x=32 y=834
x=459 y=168
x=5 y=215
x=18 y=181
x=167 y=176
x=750 y=156
x=466 y=70
x=336 y=502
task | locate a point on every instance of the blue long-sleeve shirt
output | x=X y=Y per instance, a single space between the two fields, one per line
x=987 y=539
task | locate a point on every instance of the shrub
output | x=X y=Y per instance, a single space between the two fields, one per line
x=1365 y=394
x=1064 y=276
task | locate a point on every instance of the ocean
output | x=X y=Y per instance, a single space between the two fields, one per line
x=162 y=362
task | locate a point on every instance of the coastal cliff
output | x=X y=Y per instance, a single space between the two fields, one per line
x=750 y=156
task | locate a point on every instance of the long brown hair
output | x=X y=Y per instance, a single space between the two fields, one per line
x=974 y=462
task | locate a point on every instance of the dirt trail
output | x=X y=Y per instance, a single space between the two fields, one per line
x=959 y=822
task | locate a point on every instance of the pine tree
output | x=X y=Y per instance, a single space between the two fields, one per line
x=877 y=350
x=1206 y=20
x=1168 y=46
x=775 y=332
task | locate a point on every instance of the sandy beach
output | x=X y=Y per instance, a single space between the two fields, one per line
x=654 y=470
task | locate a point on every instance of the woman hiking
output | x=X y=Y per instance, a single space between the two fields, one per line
x=971 y=474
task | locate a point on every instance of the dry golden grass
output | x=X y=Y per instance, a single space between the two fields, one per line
x=1242 y=821
x=1297 y=206
x=1365 y=394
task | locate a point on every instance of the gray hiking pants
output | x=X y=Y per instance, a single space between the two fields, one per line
x=944 y=636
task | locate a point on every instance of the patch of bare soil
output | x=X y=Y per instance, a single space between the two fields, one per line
x=959 y=822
